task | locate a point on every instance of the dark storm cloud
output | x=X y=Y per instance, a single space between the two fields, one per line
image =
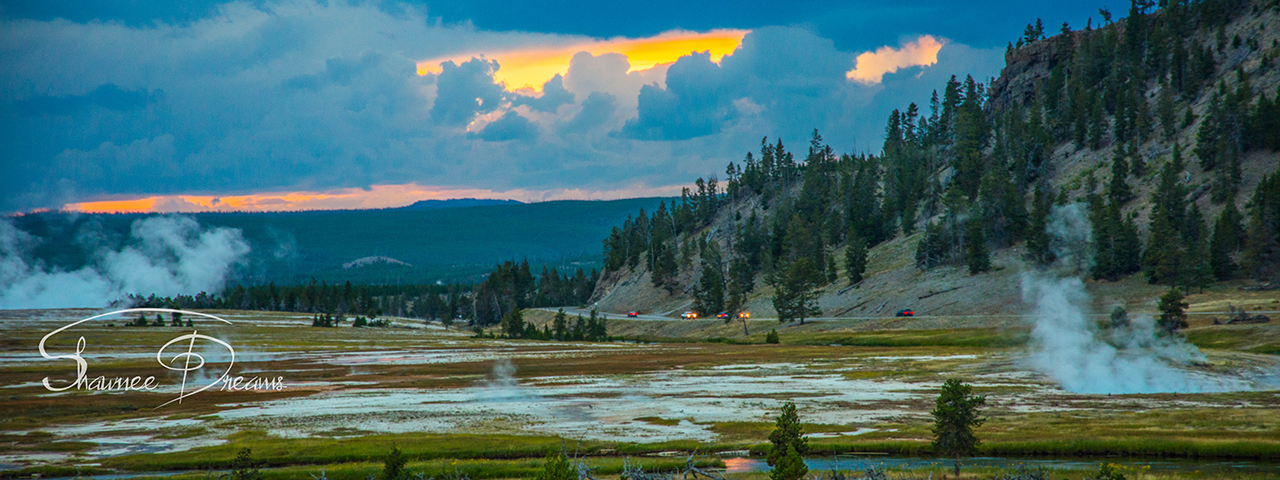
x=597 y=110
x=795 y=77
x=511 y=126
x=852 y=25
x=132 y=13
x=108 y=96
x=553 y=96
x=465 y=90
x=338 y=71
x=299 y=95
x=696 y=102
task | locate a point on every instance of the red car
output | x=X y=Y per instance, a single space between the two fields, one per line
x=633 y=313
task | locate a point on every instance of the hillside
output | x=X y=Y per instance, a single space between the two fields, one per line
x=424 y=243
x=1152 y=124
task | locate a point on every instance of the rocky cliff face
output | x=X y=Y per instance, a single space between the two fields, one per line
x=1025 y=67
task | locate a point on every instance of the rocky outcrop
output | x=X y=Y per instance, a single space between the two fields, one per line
x=1025 y=67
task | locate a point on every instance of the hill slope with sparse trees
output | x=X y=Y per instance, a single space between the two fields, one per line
x=1162 y=128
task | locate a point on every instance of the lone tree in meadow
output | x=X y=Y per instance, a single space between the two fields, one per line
x=1173 y=313
x=955 y=415
x=393 y=465
x=557 y=467
x=789 y=445
x=788 y=433
x=243 y=467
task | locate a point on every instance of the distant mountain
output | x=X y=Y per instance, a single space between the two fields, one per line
x=457 y=203
x=397 y=245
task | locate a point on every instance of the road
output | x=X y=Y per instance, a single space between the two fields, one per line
x=571 y=311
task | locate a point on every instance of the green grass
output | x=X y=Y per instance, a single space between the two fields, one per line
x=659 y=421
x=51 y=471
x=271 y=451
x=442 y=468
x=973 y=338
x=1253 y=339
x=970 y=338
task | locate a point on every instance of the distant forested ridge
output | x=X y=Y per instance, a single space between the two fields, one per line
x=334 y=301
x=456 y=244
x=1155 y=122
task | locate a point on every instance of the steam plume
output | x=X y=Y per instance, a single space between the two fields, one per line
x=1068 y=347
x=169 y=255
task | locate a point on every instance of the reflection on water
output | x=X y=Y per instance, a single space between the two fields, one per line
x=740 y=465
x=859 y=463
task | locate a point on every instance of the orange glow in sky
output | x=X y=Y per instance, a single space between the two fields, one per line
x=377 y=196
x=871 y=66
x=532 y=67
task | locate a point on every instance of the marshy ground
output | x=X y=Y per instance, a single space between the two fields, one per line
x=496 y=406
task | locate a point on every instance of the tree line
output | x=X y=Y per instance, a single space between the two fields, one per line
x=511 y=287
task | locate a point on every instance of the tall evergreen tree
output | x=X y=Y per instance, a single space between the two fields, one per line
x=1173 y=315
x=1038 y=248
x=955 y=415
x=788 y=433
x=977 y=257
x=1227 y=238
x=709 y=294
x=855 y=258
x=797 y=293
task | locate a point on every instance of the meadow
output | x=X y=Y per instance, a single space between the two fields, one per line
x=493 y=408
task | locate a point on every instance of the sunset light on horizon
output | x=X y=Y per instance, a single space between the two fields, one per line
x=376 y=196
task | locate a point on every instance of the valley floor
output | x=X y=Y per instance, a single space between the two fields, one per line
x=497 y=406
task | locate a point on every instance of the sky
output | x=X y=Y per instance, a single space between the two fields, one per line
x=304 y=104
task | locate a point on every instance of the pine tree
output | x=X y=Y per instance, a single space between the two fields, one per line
x=1097 y=123
x=1038 y=248
x=855 y=258
x=709 y=294
x=976 y=254
x=790 y=466
x=1262 y=237
x=557 y=467
x=393 y=465
x=1119 y=190
x=513 y=324
x=1127 y=247
x=788 y=434
x=1196 y=272
x=560 y=326
x=1162 y=259
x=796 y=296
x=1227 y=238
x=955 y=415
x=1173 y=314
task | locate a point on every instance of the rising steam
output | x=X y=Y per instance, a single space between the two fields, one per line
x=168 y=256
x=1066 y=342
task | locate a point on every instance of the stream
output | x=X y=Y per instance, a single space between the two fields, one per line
x=860 y=463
